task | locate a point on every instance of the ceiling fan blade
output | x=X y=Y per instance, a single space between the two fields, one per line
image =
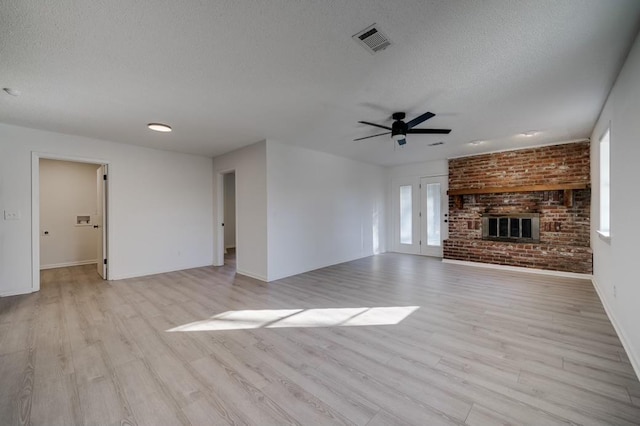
x=420 y=119
x=429 y=131
x=372 y=136
x=374 y=124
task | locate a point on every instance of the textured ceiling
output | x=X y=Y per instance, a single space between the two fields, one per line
x=228 y=73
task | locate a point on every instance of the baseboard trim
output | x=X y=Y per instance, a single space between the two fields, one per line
x=16 y=292
x=251 y=275
x=635 y=362
x=67 y=264
x=315 y=268
x=520 y=269
x=116 y=277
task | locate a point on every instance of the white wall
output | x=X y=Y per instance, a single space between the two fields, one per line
x=160 y=205
x=250 y=165
x=322 y=209
x=615 y=262
x=67 y=189
x=427 y=168
x=229 y=210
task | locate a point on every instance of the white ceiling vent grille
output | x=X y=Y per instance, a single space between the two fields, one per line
x=372 y=39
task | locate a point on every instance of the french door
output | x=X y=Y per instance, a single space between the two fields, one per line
x=420 y=223
x=433 y=216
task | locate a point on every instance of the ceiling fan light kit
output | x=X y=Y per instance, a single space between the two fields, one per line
x=399 y=129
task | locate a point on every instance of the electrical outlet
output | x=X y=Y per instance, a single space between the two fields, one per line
x=11 y=215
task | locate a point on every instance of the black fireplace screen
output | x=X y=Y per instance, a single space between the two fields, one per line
x=523 y=227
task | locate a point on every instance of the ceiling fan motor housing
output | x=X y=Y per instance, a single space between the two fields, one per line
x=398 y=128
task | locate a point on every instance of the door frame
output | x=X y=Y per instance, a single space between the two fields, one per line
x=35 y=207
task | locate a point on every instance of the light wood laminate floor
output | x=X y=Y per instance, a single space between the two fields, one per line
x=386 y=340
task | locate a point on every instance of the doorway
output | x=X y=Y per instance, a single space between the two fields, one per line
x=69 y=214
x=229 y=218
x=420 y=215
x=226 y=214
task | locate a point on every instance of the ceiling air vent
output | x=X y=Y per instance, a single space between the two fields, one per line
x=372 y=39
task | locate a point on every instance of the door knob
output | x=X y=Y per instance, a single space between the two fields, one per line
x=95 y=227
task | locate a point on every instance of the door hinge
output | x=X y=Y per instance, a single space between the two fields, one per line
x=105 y=261
x=420 y=242
x=420 y=214
x=104 y=177
x=420 y=186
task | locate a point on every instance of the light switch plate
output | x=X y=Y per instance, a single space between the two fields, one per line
x=11 y=215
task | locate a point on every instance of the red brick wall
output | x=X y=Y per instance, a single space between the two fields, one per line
x=568 y=163
x=564 y=231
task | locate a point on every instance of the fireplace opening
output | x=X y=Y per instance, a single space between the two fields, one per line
x=520 y=227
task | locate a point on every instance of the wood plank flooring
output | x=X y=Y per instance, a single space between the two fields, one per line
x=480 y=347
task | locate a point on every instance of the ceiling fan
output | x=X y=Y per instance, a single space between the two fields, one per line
x=399 y=129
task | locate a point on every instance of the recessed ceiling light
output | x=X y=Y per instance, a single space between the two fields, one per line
x=11 y=91
x=529 y=134
x=159 y=127
x=476 y=143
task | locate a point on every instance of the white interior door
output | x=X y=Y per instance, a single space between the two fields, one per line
x=434 y=212
x=101 y=221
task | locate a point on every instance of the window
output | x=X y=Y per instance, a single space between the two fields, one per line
x=406 y=215
x=605 y=192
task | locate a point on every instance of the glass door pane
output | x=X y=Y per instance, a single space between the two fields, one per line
x=434 y=211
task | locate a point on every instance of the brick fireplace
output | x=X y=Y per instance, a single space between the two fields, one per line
x=549 y=184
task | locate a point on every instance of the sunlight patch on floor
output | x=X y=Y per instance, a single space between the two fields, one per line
x=317 y=317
